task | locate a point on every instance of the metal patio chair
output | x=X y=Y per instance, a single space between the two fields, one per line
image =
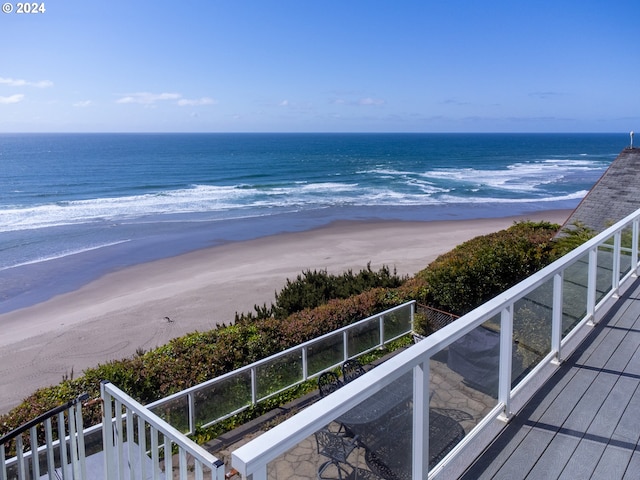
x=328 y=382
x=337 y=449
x=352 y=369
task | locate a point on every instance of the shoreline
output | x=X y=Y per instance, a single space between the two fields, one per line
x=120 y=312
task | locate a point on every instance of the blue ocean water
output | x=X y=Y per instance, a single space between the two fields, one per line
x=75 y=206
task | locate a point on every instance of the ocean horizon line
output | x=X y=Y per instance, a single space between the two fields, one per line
x=382 y=132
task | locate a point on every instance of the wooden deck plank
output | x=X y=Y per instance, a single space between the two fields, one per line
x=498 y=453
x=555 y=457
x=633 y=467
x=609 y=416
x=613 y=463
x=524 y=458
x=628 y=429
x=584 y=460
x=584 y=422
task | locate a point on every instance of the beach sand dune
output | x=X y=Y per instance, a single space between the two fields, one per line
x=147 y=305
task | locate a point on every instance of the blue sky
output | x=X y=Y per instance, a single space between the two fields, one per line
x=325 y=66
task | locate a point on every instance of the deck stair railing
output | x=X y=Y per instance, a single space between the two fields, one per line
x=532 y=327
x=47 y=455
x=139 y=445
x=435 y=319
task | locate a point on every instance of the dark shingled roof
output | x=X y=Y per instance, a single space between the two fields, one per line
x=614 y=196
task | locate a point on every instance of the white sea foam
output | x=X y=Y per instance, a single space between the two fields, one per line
x=517 y=177
x=518 y=182
x=66 y=253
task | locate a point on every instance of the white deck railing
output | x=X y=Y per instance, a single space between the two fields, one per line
x=535 y=324
x=214 y=400
x=46 y=457
x=138 y=441
x=142 y=446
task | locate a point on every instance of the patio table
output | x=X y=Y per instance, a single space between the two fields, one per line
x=384 y=425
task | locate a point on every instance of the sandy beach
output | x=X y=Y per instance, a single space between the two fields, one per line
x=146 y=305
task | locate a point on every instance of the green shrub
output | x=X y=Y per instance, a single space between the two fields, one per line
x=312 y=289
x=481 y=268
x=572 y=237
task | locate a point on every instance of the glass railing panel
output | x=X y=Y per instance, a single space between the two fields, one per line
x=463 y=385
x=363 y=337
x=532 y=319
x=279 y=373
x=175 y=412
x=332 y=452
x=604 y=275
x=325 y=353
x=383 y=426
x=625 y=251
x=574 y=294
x=375 y=437
x=397 y=323
x=222 y=398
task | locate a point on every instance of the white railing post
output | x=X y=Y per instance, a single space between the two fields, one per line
x=381 y=325
x=142 y=446
x=107 y=433
x=118 y=436
x=3 y=467
x=80 y=442
x=592 y=284
x=254 y=385
x=615 y=276
x=63 y=444
x=20 y=453
x=506 y=359
x=345 y=345
x=305 y=367
x=420 y=420
x=556 y=315
x=35 y=460
x=634 y=247
x=130 y=440
x=48 y=433
x=192 y=413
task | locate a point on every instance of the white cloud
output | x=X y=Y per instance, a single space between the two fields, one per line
x=184 y=102
x=83 y=104
x=14 y=82
x=370 y=101
x=284 y=103
x=146 y=98
x=12 y=99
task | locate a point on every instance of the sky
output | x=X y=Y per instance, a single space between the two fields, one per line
x=321 y=66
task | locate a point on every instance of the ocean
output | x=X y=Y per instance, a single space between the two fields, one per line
x=76 y=206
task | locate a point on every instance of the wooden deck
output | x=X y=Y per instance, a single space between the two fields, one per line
x=585 y=421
